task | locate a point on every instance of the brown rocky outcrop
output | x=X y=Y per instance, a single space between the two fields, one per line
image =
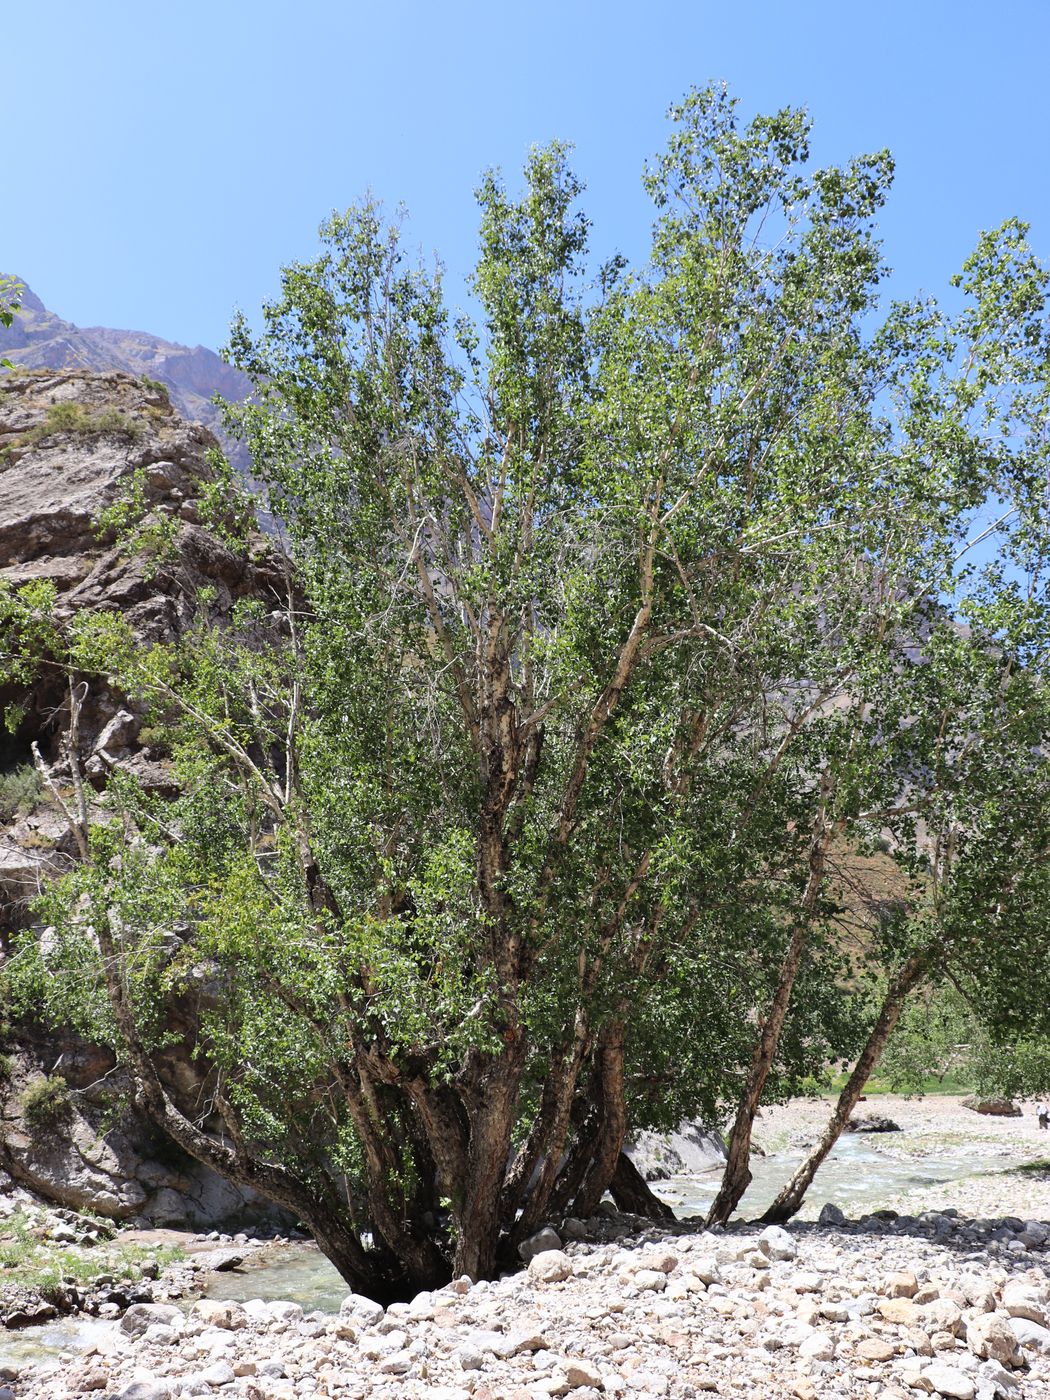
x=71 y=442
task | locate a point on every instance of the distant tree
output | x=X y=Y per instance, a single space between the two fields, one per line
x=509 y=831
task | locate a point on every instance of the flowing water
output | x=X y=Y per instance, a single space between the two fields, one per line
x=298 y=1272
x=857 y=1176
x=44 y=1343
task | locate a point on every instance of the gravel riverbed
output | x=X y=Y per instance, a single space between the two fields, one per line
x=943 y=1297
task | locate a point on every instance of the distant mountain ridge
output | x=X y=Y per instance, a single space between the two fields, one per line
x=39 y=339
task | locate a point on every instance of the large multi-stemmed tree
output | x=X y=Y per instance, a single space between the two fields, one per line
x=605 y=620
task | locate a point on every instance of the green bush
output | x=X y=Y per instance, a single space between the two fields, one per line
x=69 y=417
x=44 y=1100
x=20 y=791
x=155 y=386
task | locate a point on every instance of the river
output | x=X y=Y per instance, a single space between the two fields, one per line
x=858 y=1175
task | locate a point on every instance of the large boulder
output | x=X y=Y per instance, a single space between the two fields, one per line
x=692 y=1147
x=872 y=1123
x=994 y=1107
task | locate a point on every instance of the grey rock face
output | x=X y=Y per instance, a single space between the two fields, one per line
x=692 y=1147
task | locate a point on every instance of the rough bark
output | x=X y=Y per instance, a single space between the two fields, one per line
x=631 y=1192
x=479 y=1218
x=612 y=1120
x=546 y=1145
x=792 y=1195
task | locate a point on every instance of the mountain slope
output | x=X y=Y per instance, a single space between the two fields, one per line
x=39 y=339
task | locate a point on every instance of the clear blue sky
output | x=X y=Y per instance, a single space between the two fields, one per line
x=162 y=161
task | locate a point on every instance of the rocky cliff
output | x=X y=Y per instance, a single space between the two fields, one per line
x=70 y=443
x=38 y=339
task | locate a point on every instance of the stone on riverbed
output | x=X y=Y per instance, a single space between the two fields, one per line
x=990 y=1335
x=214 y=1312
x=873 y=1123
x=142 y=1315
x=539 y=1242
x=366 y=1312
x=147 y=1390
x=777 y=1243
x=218 y=1261
x=831 y=1215
x=996 y=1108
x=1030 y=1334
x=551 y=1266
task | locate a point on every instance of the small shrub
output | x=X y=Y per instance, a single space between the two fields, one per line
x=7 y=1068
x=70 y=417
x=44 y=1100
x=155 y=387
x=20 y=791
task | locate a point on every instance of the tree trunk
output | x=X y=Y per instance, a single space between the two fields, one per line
x=479 y=1218
x=545 y=1147
x=737 y=1175
x=612 y=1121
x=791 y=1197
x=364 y=1270
x=631 y=1192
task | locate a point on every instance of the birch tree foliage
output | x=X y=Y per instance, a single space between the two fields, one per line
x=492 y=833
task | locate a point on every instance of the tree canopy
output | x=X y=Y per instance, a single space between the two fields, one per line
x=620 y=610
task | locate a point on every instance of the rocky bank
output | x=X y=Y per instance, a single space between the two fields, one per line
x=885 y=1306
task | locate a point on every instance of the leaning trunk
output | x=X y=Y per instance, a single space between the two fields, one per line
x=737 y=1176
x=612 y=1121
x=791 y=1197
x=631 y=1192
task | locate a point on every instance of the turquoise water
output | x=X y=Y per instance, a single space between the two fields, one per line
x=298 y=1272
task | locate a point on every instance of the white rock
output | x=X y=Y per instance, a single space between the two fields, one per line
x=550 y=1266
x=282 y=1310
x=990 y=1335
x=705 y=1267
x=777 y=1243
x=396 y=1364
x=1021 y=1301
x=662 y=1261
x=994 y=1380
x=146 y=1390
x=365 y=1311
x=142 y=1315
x=949 y=1380
x=819 y=1346
x=221 y=1373
x=1030 y=1334
x=219 y=1313
x=158 y=1334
